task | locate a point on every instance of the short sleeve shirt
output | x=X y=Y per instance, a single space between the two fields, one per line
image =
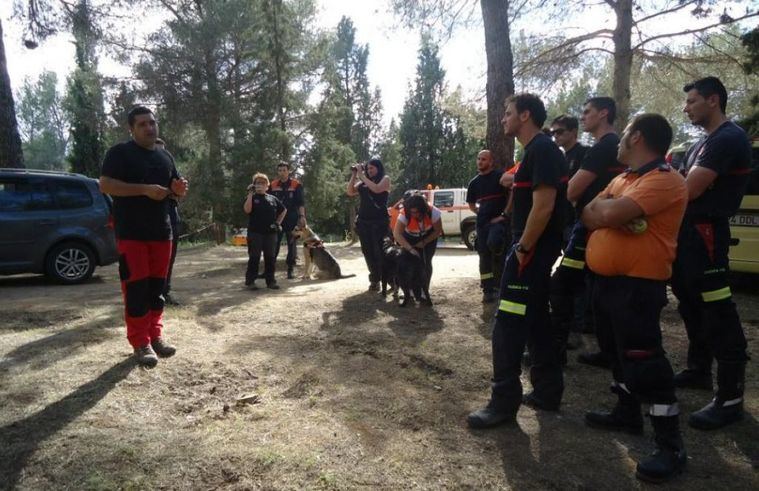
x=542 y=164
x=601 y=160
x=263 y=216
x=435 y=215
x=661 y=194
x=727 y=151
x=486 y=191
x=290 y=193
x=139 y=217
x=575 y=156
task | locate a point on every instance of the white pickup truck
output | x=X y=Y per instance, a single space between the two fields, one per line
x=457 y=218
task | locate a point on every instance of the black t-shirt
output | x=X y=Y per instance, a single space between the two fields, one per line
x=727 y=151
x=139 y=217
x=264 y=214
x=371 y=206
x=601 y=160
x=290 y=193
x=486 y=190
x=575 y=156
x=543 y=163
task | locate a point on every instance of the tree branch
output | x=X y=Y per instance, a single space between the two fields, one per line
x=665 y=12
x=692 y=31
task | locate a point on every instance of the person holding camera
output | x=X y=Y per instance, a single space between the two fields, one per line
x=265 y=215
x=369 y=182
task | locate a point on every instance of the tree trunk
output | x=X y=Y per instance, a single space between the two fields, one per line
x=500 y=77
x=623 y=58
x=11 y=154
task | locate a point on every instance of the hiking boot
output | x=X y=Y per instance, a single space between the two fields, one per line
x=145 y=356
x=717 y=414
x=488 y=296
x=272 y=286
x=662 y=465
x=691 y=378
x=489 y=417
x=535 y=402
x=594 y=359
x=162 y=348
x=290 y=275
x=669 y=458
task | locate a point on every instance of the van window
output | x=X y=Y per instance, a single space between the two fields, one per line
x=72 y=194
x=25 y=196
x=443 y=199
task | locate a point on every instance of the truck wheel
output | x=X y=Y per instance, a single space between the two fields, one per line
x=469 y=235
x=70 y=263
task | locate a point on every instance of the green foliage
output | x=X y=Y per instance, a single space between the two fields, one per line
x=750 y=42
x=42 y=124
x=84 y=97
x=434 y=146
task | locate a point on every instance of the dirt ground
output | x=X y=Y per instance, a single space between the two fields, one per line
x=342 y=389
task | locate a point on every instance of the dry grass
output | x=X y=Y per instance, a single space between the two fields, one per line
x=353 y=392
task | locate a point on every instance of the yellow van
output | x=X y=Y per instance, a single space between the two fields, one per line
x=744 y=225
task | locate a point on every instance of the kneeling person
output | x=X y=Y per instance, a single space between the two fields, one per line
x=417 y=231
x=634 y=224
x=266 y=213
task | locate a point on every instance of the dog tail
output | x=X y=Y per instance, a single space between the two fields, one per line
x=347 y=276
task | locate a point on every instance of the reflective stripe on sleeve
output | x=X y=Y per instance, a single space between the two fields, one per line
x=664 y=410
x=716 y=295
x=486 y=276
x=573 y=263
x=513 y=307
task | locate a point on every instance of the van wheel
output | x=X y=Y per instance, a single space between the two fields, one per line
x=70 y=263
x=469 y=234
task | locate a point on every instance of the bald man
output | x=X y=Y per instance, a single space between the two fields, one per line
x=487 y=198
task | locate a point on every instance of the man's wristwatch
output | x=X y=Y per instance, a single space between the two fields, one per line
x=520 y=248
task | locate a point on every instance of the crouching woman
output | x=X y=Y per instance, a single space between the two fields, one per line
x=417 y=230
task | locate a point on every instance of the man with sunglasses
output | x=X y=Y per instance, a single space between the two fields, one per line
x=599 y=166
x=564 y=133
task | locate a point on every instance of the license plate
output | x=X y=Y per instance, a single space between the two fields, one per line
x=745 y=220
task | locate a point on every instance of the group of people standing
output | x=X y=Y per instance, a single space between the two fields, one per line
x=638 y=223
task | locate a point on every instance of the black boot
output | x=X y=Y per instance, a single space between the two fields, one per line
x=290 y=274
x=693 y=378
x=625 y=416
x=669 y=458
x=727 y=406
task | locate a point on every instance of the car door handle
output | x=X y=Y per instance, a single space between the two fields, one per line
x=449 y=211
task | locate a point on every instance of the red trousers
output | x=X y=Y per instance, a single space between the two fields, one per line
x=143 y=266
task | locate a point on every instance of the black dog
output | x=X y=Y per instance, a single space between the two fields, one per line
x=412 y=277
x=391 y=254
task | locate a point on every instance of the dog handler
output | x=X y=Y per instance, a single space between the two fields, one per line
x=369 y=182
x=537 y=223
x=141 y=179
x=417 y=231
x=290 y=192
x=632 y=265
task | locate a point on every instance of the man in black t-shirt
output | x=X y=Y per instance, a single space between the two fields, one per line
x=569 y=283
x=522 y=318
x=289 y=191
x=717 y=169
x=141 y=178
x=265 y=215
x=564 y=132
x=488 y=198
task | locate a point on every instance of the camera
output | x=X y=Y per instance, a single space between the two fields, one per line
x=356 y=167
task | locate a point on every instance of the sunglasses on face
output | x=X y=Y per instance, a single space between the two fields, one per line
x=558 y=132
